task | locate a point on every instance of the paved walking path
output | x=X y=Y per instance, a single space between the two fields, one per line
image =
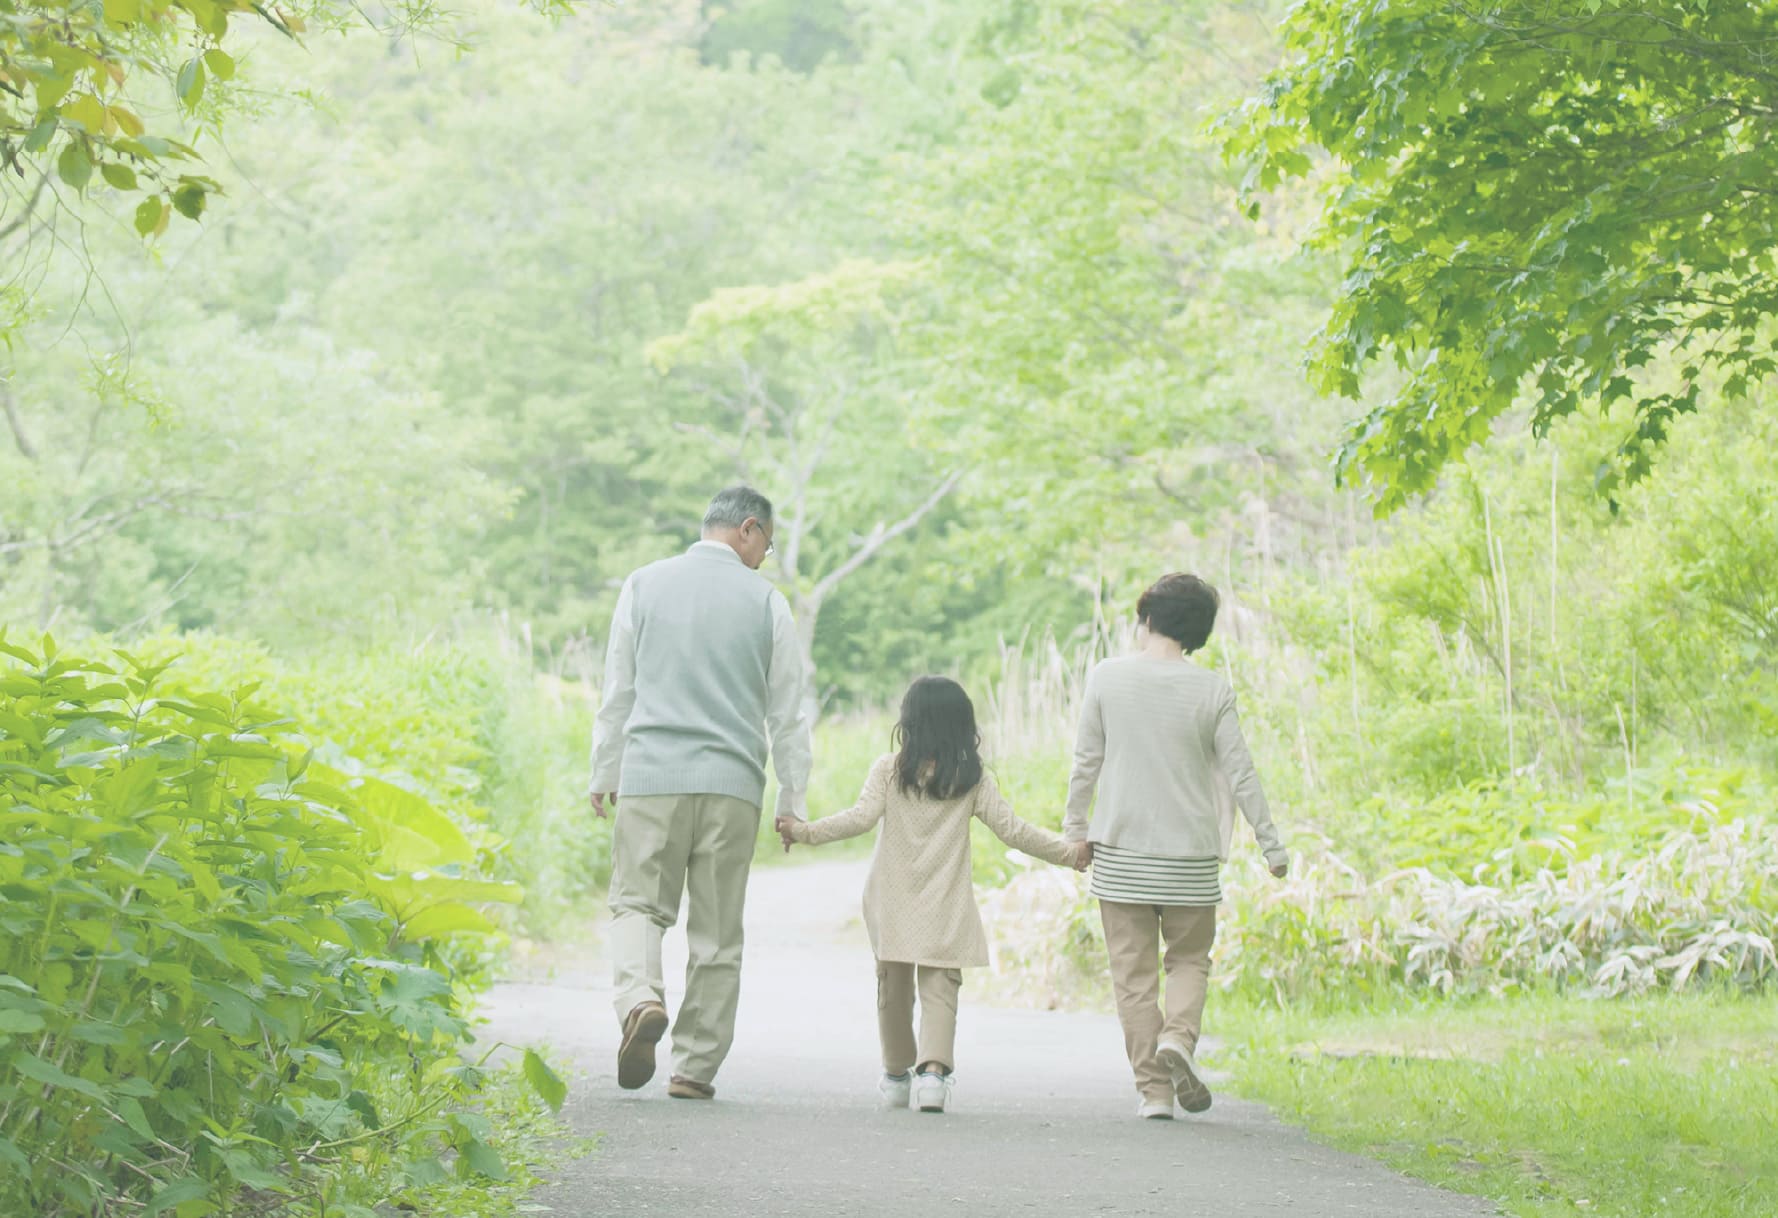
x=1042 y=1121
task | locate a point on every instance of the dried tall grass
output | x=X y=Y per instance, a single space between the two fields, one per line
x=1702 y=908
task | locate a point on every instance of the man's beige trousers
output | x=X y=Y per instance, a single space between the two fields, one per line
x=662 y=846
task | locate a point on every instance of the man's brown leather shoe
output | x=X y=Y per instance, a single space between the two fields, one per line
x=682 y=1088
x=642 y=1031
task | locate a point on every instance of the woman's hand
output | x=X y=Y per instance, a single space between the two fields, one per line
x=1083 y=855
x=1281 y=870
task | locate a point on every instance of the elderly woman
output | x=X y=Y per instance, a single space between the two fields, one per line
x=1160 y=744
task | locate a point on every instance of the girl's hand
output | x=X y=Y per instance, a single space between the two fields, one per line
x=1083 y=855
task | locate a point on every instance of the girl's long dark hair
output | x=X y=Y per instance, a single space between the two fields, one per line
x=938 y=750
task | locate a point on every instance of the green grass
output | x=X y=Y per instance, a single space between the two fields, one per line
x=1547 y=1105
x=531 y=1142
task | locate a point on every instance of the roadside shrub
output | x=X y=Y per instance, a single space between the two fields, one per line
x=221 y=977
x=465 y=722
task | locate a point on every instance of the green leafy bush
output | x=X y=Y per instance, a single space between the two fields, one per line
x=221 y=971
x=463 y=721
x=1517 y=829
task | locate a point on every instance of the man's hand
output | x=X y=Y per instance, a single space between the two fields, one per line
x=602 y=808
x=782 y=824
x=1281 y=870
x=1083 y=855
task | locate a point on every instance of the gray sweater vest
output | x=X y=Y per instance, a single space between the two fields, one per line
x=703 y=628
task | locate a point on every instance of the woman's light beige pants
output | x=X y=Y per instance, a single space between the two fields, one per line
x=1135 y=937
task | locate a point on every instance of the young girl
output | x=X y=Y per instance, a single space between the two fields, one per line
x=919 y=906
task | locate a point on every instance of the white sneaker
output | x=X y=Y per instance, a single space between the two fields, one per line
x=1156 y=1110
x=896 y=1088
x=1188 y=1083
x=931 y=1091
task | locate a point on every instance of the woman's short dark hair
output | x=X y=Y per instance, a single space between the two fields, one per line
x=1182 y=607
x=938 y=750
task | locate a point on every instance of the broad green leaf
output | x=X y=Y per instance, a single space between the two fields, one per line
x=73 y=166
x=426 y=1172
x=481 y=1159
x=123 y=12
x=127 y=122
x=404 y=809
x=220 y=63
x=414 y=893
x=362 y=1104
x=118 y=175
x=40 y=136
x=88 y=111
x=450 y=918
x=544 y=1081
x=189 y=202
x=212 y=18
x=52 y=87
x=148 y=215
x=15 y=1021
x=34 y=1067
x=191 y=83
x=130 y=1110
x=93 y=1032
x=177 y=1194
x=257 y=750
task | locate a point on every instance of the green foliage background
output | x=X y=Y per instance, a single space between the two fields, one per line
x=460 y=351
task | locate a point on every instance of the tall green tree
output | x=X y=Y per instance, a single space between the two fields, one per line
x=1102 y=327
x=1570 y=201
x=279 y=484
x=817 y=406
x=114 y=97
x=523 y=289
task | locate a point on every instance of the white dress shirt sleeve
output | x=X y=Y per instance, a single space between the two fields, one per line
x=617 y=697
x=786 y=717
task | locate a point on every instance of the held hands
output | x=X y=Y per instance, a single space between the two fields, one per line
x=783 y=825
x=1083 y=855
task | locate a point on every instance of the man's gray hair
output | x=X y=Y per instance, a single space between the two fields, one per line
x=733 y=507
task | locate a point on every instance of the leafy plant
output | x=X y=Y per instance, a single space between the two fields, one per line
x=78 y=79
x=1557 y=198
x=222 y=972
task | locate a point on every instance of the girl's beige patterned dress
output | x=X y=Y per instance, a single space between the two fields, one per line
x=919 y=903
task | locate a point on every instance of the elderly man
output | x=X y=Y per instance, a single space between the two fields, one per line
x=702 y=676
